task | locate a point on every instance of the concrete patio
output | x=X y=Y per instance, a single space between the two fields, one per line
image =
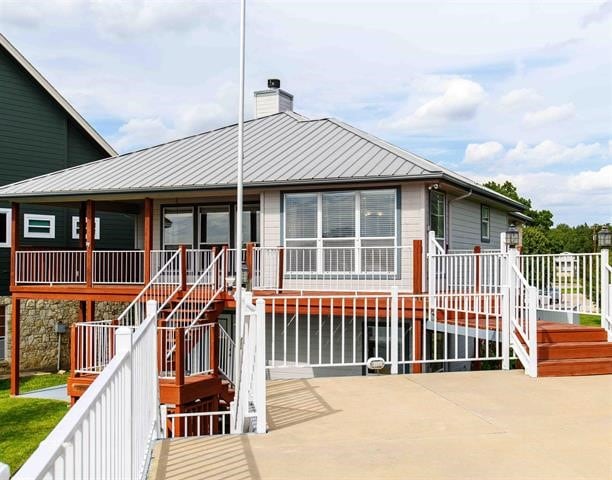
x=473 y=425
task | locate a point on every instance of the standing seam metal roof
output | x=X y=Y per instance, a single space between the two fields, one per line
x=283 y=148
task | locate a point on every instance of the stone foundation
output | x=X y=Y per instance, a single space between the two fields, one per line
x=39 y=342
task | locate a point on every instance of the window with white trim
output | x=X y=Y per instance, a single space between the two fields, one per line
x=76 y=228
x=485 y=223
x=38 y=226
x=5 y=227
x=437 y=215
x=344 y=231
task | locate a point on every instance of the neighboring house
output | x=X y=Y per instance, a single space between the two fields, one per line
x=40 y=132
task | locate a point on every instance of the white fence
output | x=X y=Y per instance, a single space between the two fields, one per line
x=332 y=268
x=50 y=267
x=195 y=424
x=402 y=329
x=109 y=432
x=227 y=351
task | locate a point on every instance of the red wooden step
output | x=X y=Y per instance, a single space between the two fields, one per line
x=572 y=350
x=575 y=366
x=556 y=333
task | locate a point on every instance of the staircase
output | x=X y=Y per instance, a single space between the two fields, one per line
x=565 y=350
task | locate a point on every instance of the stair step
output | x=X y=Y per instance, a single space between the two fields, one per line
x=559 y=333
x=574 y=350
x=575 y=366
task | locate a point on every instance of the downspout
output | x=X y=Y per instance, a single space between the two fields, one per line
x=450 y=213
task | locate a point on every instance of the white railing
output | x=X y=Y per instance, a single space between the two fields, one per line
x=109 y=432
x=194 y=424
x=93 y=346
x=522 y=312
x=200 y=296
x=248 y=409
x=566 y=281
x=197 y=262
x=345 y=331
x=606 y=295
x=227 y=350
x=195 y=350
x=332 y=268
x=118 y=267
x=161 y=288
x=50 y=267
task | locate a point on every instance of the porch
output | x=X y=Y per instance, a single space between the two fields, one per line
x=495 y=424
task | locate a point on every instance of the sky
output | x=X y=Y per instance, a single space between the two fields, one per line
x=518 y=91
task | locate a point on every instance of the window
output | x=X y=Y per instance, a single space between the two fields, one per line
x=348 y=231
x=177 y=227
x=76 y=228
x=437 y=214
x=5 y=227
x=214 y=226
x=39 y=226
x=485 y=223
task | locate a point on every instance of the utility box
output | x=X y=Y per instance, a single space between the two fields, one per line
x=61 y=328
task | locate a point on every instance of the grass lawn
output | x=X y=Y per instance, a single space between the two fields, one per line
x=25 y=422
x=590 y=320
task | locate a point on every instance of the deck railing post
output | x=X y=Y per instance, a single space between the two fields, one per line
x=533 y=330
x=260 y=372
x=250 y=246
x=148 y=239
x=281 y=268
x=183 y=260
x=505 y=290
x=394 y=329
x=604 y=281
x=417 y=266
x=123 y=342
x=179 y=356
x=90 y=239
x=477 y=251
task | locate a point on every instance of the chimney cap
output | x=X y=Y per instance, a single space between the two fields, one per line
x=273 y=83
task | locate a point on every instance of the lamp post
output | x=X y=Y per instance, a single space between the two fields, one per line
x=604 y=238
x=512 y=236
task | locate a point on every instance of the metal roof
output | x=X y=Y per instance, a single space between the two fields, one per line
x=281 y=149
x=43 y=82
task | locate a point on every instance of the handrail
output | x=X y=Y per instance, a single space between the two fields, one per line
x=227 y=350
x=218 y=287
x=151 y=285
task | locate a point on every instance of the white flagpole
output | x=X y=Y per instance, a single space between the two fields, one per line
x=238 y=233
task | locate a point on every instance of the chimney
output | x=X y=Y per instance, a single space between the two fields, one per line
x=273 y=100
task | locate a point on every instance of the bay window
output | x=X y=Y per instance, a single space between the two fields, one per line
x=344 y=231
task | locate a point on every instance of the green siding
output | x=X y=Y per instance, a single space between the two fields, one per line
x=36 y=137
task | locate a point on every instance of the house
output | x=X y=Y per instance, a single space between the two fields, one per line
x=348 y=246
x=41 y=132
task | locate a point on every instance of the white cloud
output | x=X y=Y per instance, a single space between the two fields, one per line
x=520 y=97
x=599 y=15
x=459 y=100
x=482 y=152
x=552 y=114
x=142 y=132
x=591 y=181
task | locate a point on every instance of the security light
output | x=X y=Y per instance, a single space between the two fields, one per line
x=512 y=236
x=604 y=238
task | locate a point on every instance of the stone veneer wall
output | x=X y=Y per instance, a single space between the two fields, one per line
x=38 y=337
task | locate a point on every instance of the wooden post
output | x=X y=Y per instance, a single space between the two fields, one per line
x=179 y=359
x=148 y=238
x=281 y=267
x=73 y=349
x=417 y=266
x=249 y=261
x=15 y=344
x=15 y=237
x=183 y=268
x=225 y=271
x=90 y=227
x=477 y=269
x=90 y=311
x=214 y=348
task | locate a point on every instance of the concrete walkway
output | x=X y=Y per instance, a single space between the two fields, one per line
x=59 y=392
x=473 y=425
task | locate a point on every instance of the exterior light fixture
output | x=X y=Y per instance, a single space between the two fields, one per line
x=512 y=236
x=604 y=238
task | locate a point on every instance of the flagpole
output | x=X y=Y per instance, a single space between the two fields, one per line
x=239 y=193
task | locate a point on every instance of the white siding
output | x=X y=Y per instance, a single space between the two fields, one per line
x=271 y=218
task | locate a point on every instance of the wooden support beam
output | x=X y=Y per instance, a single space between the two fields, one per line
x=15 y=237
x=179 y=356
x=82 y=315
x=148 y=238
x=250 y=246
x=73 y=349
x=417 y=266
x=90 y=236
x=477 y=269
x=90 y=311
x=183 y=260
x=15 y=344
x=214 y=348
